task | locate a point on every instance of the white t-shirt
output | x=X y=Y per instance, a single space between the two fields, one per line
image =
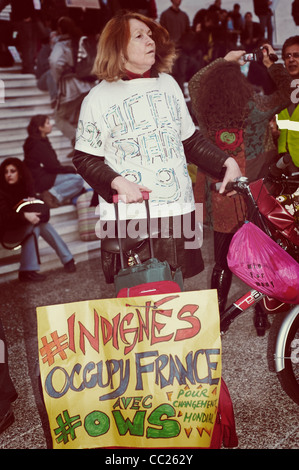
x=138 y=126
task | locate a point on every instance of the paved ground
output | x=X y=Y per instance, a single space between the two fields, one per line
x=265 y=417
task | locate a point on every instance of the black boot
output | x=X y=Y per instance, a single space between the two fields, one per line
x=221 y=280
x=261 y=321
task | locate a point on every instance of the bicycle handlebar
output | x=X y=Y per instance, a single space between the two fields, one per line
x=276 y=174
x=236 y=185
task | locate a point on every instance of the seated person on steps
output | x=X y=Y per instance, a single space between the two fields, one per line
x=15 y=185
x=56 y=183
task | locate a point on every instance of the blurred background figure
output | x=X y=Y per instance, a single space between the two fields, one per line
x=56 y=183
x=252 y=33
x=23 y=18
x=71 y=89
x=263 y=11
x=288 y=118
x=45 y=79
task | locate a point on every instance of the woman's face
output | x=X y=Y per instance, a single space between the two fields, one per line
x=46 y=128
x=11 y=174
x=141 y=48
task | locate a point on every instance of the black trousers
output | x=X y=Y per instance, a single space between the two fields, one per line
x=221 y=246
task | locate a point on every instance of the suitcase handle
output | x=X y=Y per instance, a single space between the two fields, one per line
x=145 y=195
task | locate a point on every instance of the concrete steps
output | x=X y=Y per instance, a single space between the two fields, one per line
x=22 y=100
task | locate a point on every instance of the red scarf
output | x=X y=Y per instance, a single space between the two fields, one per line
x=132 y=75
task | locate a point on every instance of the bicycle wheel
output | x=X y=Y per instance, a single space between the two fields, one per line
x=287 y=354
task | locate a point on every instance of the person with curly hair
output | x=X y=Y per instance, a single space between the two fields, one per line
x=237 y=119
x=16 y=185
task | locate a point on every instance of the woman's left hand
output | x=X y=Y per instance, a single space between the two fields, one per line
x=232 y=172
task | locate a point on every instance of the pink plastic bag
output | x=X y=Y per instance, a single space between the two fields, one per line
x=262 y=264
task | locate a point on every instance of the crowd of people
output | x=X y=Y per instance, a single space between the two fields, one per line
x=116 y=150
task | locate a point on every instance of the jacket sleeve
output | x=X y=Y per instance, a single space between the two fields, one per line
x=47 y=157
x=96 y=173
x=9 y=218
x=203 y=153
x=281 y=98
x=198 y=150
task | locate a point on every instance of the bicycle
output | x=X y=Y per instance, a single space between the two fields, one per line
x=283 y=340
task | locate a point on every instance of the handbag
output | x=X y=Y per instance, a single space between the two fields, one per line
x=151 y=270
x=34 y=205
x=87 y=219
x=12 y=239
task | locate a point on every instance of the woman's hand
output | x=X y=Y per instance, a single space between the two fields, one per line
x=32 y=217
x=128 y=192
x=235 y=56
x=232 y=172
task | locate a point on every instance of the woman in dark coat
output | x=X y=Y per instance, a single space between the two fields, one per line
x=15 y=185
x=56 y=183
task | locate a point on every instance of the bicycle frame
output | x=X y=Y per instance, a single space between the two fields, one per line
x=247 y=300
x=253 y=296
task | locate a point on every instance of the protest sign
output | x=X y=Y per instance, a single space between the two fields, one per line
x=131 y=372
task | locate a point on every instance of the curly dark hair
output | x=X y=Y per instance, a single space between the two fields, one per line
x=25 y=181
x=222 y=98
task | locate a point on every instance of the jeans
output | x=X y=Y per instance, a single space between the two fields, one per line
x=29 y=258
x=66 y=186
x=47 y=83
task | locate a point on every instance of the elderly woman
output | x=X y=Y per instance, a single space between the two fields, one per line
x=135 y=132
x=15 y=185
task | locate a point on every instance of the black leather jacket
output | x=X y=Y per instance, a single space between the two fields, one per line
x=198 y=150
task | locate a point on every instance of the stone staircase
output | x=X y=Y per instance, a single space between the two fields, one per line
x=19 y=101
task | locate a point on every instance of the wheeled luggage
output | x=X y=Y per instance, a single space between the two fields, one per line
x=151 y=271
